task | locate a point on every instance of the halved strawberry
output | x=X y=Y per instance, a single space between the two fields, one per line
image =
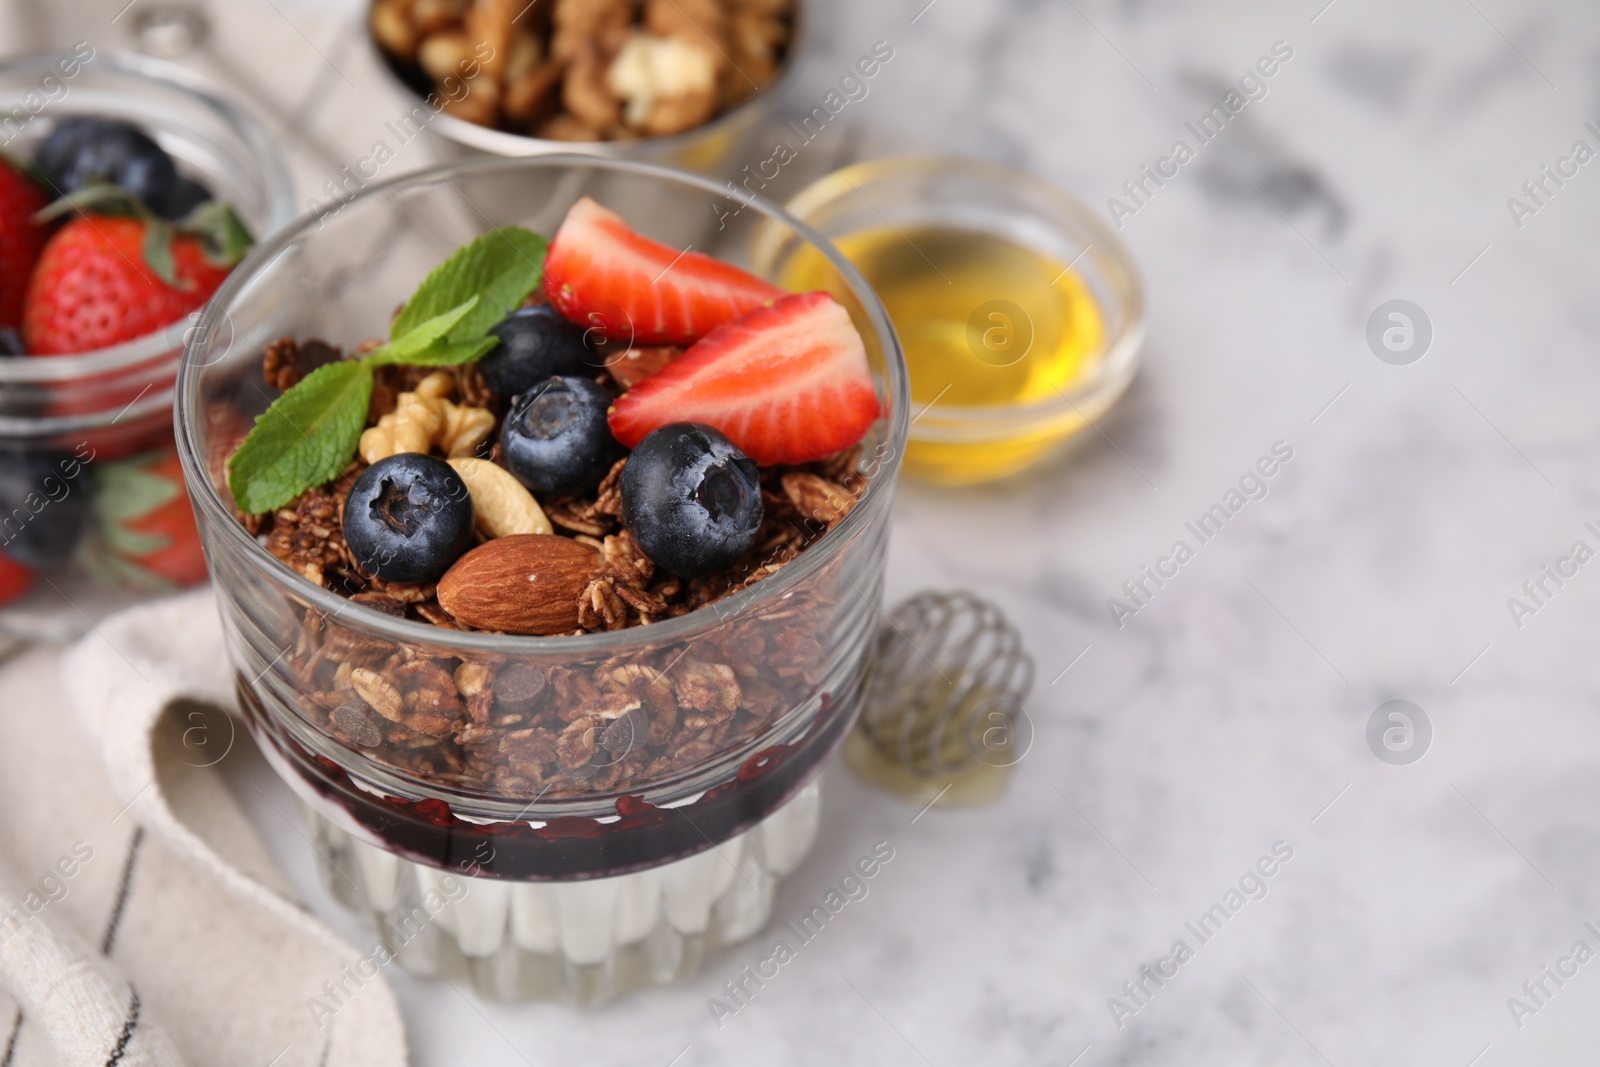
x=601 y=274
x=788 y=383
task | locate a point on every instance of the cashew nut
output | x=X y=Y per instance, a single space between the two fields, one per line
x=425 y=418
x=651 y=69
x=500 y=504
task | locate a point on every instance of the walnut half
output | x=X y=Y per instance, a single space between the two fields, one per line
x=424 y=419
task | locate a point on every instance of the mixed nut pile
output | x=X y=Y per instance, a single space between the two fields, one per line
x=587 y=70
x=541 y=476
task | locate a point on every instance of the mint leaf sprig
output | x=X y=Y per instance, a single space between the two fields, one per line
x=310 y=433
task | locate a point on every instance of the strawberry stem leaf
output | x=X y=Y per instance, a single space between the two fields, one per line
x=103 y=197
x=157 y=251
x=223 y=237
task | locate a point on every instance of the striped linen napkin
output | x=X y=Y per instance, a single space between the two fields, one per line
x=142 y=922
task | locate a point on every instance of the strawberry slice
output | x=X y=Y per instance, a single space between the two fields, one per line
x=601 y=274
x=788 y=383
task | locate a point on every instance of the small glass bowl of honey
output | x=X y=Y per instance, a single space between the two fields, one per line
x=1020 y=312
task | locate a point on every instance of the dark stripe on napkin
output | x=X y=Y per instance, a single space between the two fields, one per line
x=110 y=938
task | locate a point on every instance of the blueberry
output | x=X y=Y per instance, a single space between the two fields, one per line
x=186 y=195
x=691 y=499
x=17 y=401
x=44 y=506
x=535 y=343
x=408 y=518
x=82 y=151
x=555 y=438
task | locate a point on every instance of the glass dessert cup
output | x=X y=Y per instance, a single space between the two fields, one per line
x=107 y=405
x=712 y=148
x=681 y=786
x=953 y=442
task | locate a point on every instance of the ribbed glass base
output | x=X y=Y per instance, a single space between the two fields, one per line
x=583 y=942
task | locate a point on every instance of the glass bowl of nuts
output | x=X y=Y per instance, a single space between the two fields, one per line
x=680 y=82
x=551 y=593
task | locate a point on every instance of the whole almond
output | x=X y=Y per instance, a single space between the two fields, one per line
x=521 y=584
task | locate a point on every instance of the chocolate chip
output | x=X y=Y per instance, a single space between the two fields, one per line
x=518 y=687
x=382 y=602
x=626 y=732
x=356 y=720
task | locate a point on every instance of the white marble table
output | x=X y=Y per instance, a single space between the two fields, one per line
x=1231 y=711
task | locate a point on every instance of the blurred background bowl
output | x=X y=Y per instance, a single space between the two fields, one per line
x=116 y=402
x=704 y=149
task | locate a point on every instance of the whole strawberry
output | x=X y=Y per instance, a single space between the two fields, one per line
x=15 y=580
x=147 y=537
x=95 y=284
x=21 y=240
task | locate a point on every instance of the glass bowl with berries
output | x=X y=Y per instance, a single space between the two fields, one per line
x=549 y=542
x=681 y=82
x=128 y=190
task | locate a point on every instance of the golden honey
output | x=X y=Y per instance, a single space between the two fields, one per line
x=986 y=323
